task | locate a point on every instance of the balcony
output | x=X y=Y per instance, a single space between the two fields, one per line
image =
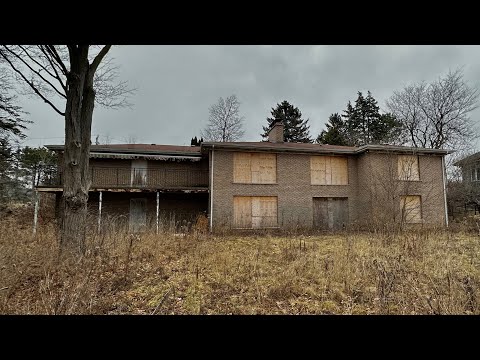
x=137 y=178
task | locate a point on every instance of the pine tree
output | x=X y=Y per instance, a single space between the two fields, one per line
x=196 y=142
x=364 y=124
x=335 y=132
x=295 y=129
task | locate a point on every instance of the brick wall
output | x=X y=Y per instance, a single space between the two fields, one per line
x=369 y=183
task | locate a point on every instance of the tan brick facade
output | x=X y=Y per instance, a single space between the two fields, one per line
x=372 y=194
x=373 y=190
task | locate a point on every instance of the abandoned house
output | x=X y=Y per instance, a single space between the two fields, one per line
x=271 y=184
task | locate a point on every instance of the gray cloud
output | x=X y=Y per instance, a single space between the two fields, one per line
x=177 y=84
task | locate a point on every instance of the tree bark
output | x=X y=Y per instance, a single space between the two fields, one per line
x=76 y=155
x=78 y=127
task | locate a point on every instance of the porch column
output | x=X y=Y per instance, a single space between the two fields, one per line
x=35 y=213
x=158 y=206
x=100 y=210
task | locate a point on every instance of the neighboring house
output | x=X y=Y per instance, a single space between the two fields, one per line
x=470 y=167
x=467 y=194
x=273 y=184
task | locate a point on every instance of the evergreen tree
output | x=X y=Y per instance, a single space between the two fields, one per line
x=363 y=124
x=39 y=165
x=195 y=141
x=335 y=132
x=295 y=129
x=12 y=182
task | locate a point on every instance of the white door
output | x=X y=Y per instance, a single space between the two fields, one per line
x=139 y=173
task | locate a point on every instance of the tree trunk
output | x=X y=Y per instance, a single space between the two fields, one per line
x=76 y=155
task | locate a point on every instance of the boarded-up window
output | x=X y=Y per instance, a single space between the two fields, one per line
x=255 y=212
x=254 y=168
x=329 y=170
x=411 y=208
x=408 y=167
x=139 y=172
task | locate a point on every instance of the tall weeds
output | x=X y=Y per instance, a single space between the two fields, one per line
x=382 y=272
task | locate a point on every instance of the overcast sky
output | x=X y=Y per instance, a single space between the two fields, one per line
x=177 y=84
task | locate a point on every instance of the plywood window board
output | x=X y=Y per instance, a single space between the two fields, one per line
x=329 y=170
x=411 y=208
x=408 y=168
x=255 y=212
x=254 y=168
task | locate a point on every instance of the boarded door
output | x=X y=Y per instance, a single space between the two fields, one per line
x=138 y=215
x=139 y=172
x=330 y=213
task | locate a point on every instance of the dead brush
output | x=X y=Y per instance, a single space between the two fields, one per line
x=423 y=271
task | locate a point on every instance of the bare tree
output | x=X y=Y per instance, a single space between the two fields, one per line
x=70 y=79
x=396 y=196
x=225 y=122
x=436 y=115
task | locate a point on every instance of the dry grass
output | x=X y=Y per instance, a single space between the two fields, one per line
x=422 y=272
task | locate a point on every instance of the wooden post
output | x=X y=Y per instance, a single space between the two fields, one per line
x=35 y=213
x=158 y=207
x=100 y=210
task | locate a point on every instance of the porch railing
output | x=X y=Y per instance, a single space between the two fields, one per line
x=115 y=177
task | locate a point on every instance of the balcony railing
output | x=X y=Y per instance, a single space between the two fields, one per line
x=109 y=177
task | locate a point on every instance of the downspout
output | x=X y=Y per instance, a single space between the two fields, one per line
x=444 y=190
x=158 y=208
x=211 y=190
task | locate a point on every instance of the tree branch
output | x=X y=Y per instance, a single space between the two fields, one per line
x=31 y=84
x=51 y=49
x=35 y=71
x=52 y=64
x=99 y=58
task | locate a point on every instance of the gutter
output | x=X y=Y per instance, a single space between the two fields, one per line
x=320 y=150
x=131 y=151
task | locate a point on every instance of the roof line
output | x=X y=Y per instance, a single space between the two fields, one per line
x=351 y=150
x=131 y=151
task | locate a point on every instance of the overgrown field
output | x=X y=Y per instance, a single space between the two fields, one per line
x=421 y=272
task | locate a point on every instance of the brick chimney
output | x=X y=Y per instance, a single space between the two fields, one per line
x=275 y=134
